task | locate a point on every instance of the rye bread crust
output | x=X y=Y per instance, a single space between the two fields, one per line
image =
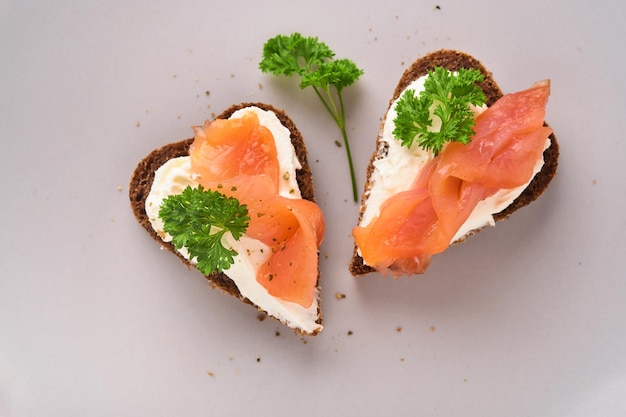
x=143 y=177
x=453 y=61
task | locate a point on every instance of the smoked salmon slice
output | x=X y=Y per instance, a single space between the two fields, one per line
x=293 y=229
x=413 y=225
x=238 y=158
x=240 y=152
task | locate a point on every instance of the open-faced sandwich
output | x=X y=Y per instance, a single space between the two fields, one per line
x=237 y=202
x=453 y=156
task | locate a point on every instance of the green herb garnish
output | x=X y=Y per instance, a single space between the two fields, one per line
x=447 y=96
x=197 y=219
x=313 y=61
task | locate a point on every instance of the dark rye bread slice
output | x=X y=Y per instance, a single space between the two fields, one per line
x=143 y=177
x=453 y=61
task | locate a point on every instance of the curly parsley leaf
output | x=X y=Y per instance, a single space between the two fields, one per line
x=197 y=219
x=446 y=97
x=313 y=61
x=294 y=54
x=340 y=73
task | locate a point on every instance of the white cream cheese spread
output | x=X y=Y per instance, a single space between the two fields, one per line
x=396 y=167
x=175 y=175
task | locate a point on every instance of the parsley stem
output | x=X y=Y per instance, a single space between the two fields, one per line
x=355 y=195
x=339 y=116
x=330 y=111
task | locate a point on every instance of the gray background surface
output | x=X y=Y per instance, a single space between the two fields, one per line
x=526 y=319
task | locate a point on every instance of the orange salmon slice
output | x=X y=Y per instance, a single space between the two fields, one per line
x=414 y=225
x=238 y=158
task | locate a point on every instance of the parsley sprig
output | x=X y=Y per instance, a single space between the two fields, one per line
x=447 y=96
x=197 y=219
x=313 y=61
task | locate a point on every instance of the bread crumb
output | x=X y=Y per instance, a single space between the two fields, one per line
x=399 y=329
x=211 y=374
x=340 y=296
x=260 y=86
x=432 y=329
x=196 y=79
x=350 y=332
x=261 y=317
x=258 y=359
x=119 y=188
x=137 y=124
x=594 y=182
x=437 y=7
x=401 y=359
x=207 y=93
x=338 y=144
x=277 y=334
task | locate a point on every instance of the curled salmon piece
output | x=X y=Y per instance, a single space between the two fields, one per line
x=239 y=152
x=416 y=224
x=293 y=229
x=238 y=158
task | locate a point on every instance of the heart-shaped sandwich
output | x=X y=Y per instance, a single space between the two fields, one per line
x=237 y=202
x=453 y=156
